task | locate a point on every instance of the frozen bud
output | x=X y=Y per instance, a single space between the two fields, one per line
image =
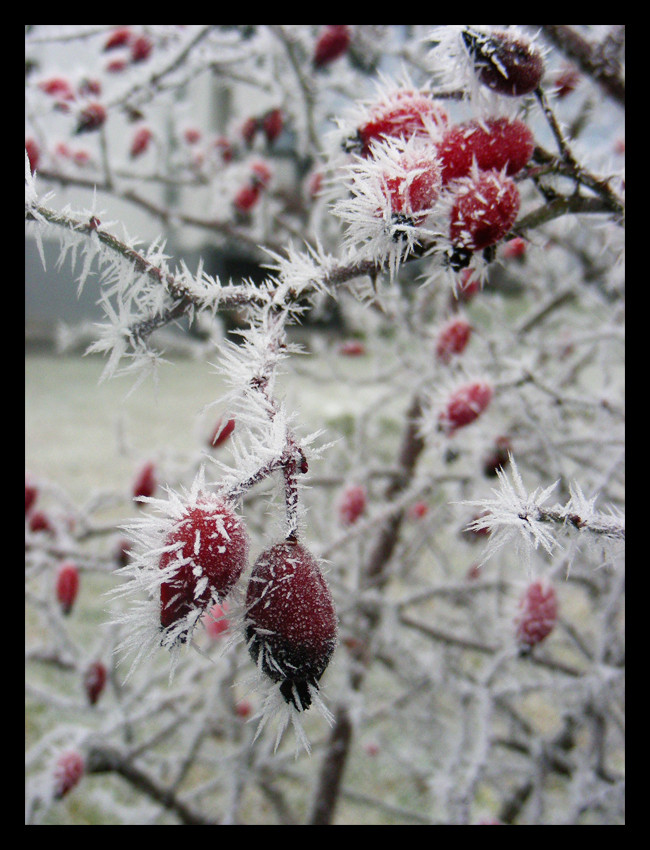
x=505 y=62
x=537 y=616
x=291 y=624
x=207 y=551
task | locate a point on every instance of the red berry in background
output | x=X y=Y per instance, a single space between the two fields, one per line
x=88 y=87
x=33 y=154
x=192 y=136
x=506 y=63
x=140 y=142
x=31 y=493
x=261 y=173
x=352 y=504
x=145 y=483
x=565 y=81
x=39 y=521
x=118 y=38
x=224 y=147
x=465 y=405
x=484 y=209
x=116 y=66
x=222 y=431
x=95 y=681
x=246 y=198
x=243 y=709
x=474 y=572
x=273 y=124
x=67 y=586
x=469 y=285
x=352 y=348
x=291 y=623
x=58 y=87
x=216 y=622
x=249 y=130
x=404 y=114
x=332 y=42
x=141 y=48
x=210 y=552
x=514 y=249
x=68 y=771
x=495 y=144
x=91 y=117
x=453 y=338
x=498 y=457
x=418 y=510
x=537 y=616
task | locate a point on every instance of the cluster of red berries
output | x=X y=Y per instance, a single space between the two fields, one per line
x=133 y=48
x=250 y=193
x=270 y=124
x=290 y=620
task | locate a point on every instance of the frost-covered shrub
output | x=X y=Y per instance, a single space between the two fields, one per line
x=295 y=597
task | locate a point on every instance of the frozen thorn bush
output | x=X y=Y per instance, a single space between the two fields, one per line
x=291 y=624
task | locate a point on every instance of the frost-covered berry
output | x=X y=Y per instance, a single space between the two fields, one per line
x=352 y=504
x=91 y=117
x=465 y=405
x=537 y=615
x=453 y=338
x=273 y=124
x=403 y=114
x=223 y=429
x=118 y=38
x=141 y=48
x=506 y=63
x=484 y=208
x=145 y=483
x=247 y=197
x=332 y=42
x=67 y=586
x=291 y=624
x=95 y=681
x=495 y=144
x=68 y=770
x=140 y=142
x=206 y=553
x=415 y=186
x=57 y=87
x=39 y=521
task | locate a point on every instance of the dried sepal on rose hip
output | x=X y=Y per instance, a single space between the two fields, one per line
x=291 y=624
x=507 y=63
x=537 y=615
x=206 y=551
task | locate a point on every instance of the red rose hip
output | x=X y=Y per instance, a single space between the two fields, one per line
x=291 y=624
